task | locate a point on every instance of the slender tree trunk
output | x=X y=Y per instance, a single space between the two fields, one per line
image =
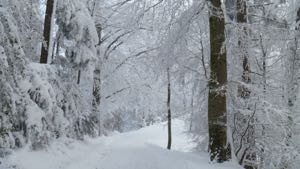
x=97 y=80
x=192 y=109
x=97 y=88
x=169 y=111
x=97 y=94
x=245 y=141
x=53 y=50
x=242 y=20
x=78 y=77
x=298 y=20
x=47 y=31
x=57 y=48
x=264 y=81
x=217 y=113
x=264 y=66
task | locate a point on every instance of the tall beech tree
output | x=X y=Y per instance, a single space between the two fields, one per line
x=217 y=115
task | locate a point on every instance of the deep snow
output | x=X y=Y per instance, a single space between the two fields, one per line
x=141 y=149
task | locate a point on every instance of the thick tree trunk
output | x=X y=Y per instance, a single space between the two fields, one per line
x=217 y=116
x=47 y=31
x=293 y=65
x=169 y=112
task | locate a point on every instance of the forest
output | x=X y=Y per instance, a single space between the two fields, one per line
x=149 y=84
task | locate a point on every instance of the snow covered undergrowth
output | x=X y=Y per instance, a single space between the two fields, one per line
x=141 y=149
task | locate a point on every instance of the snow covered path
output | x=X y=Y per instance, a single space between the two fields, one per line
x=141 y=149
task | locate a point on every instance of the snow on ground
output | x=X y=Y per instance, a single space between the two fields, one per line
x=141 y=149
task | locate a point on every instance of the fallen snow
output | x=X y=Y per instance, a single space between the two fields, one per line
x=141 y=149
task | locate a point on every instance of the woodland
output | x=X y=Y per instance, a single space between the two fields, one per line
x=78 y=70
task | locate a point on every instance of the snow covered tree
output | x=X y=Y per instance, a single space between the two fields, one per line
x=13 y=128
x=79 y=39
x=243 y=133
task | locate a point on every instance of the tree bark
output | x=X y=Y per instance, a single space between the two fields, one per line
x=217 y=115
x=169 y=111
x=47 y=31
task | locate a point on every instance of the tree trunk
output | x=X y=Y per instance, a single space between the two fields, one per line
x=97 y=88
x=97 y=80
x=47 y=31
x=264 y=66
x=169 y=111
x=298 y=20
x=217 y=116
x=245 y=141
x=293 y=65
x=97 y=94
x=242 y=20
x=78 y=77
